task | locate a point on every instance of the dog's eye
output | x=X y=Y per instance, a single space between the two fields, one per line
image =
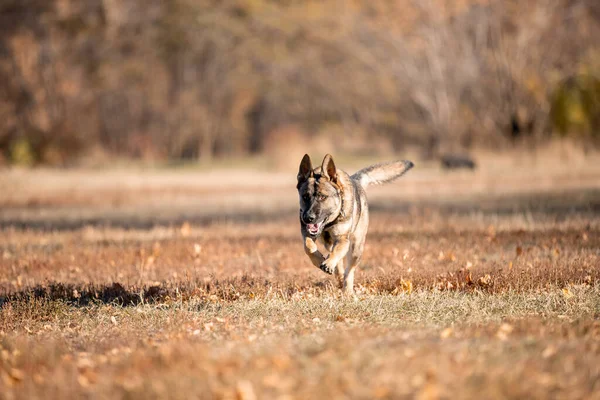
x=321 y=197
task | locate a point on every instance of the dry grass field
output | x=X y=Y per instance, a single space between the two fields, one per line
x=142 y=284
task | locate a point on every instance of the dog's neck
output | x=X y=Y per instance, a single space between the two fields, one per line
x=342 y=212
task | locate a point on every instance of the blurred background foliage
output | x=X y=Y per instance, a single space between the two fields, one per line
x=176 y=80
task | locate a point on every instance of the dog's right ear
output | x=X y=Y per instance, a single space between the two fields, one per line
x=306 y=169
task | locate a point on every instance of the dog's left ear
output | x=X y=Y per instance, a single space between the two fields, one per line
x=328 y=168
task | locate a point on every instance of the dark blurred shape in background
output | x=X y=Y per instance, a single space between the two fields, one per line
x=173 y=80
x=455 y=161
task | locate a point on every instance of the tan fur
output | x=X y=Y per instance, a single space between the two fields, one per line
x=334 y=209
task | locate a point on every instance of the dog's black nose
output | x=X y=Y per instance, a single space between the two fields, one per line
x=309 y=219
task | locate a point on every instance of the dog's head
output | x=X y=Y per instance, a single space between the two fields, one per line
x=319 y=190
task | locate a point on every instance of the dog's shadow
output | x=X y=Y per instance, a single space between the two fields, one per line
x=84 y=295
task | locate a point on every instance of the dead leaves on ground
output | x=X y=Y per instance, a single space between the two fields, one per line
x=463 y=280
x=403 y=286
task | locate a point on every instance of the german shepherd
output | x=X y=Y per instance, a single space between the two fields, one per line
x=333 y=207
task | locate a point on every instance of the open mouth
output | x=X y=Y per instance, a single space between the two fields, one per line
x=313 y=229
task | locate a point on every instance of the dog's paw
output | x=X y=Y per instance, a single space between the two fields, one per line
x=327 y=267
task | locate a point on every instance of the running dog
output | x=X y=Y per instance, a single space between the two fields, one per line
x=333 y=207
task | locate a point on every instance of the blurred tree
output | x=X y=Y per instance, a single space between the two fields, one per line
x=196 y=79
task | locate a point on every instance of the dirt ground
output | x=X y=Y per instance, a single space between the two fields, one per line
x=183 y=283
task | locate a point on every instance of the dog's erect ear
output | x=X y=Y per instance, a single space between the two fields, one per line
x=328 y=168
x=306 y=169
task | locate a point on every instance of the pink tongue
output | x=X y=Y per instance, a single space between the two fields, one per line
x=312 y=227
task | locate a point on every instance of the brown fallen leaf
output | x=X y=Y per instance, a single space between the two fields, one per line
x=504 y=330
x=87 y=378
x=16 y=374
x=555 y=252
x=469 y=278
x=446 y=333
x=549 y=351
x=407 y=286
x=485 y=280
x=567 y=294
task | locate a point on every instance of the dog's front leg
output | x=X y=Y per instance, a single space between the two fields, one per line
x=311 y=250
x=338 y=252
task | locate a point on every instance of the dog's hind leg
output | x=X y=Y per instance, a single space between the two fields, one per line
x=348 y=284
x=339 y=273
x=355 y=256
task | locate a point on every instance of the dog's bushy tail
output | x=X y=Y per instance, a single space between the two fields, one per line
x=382 y=173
